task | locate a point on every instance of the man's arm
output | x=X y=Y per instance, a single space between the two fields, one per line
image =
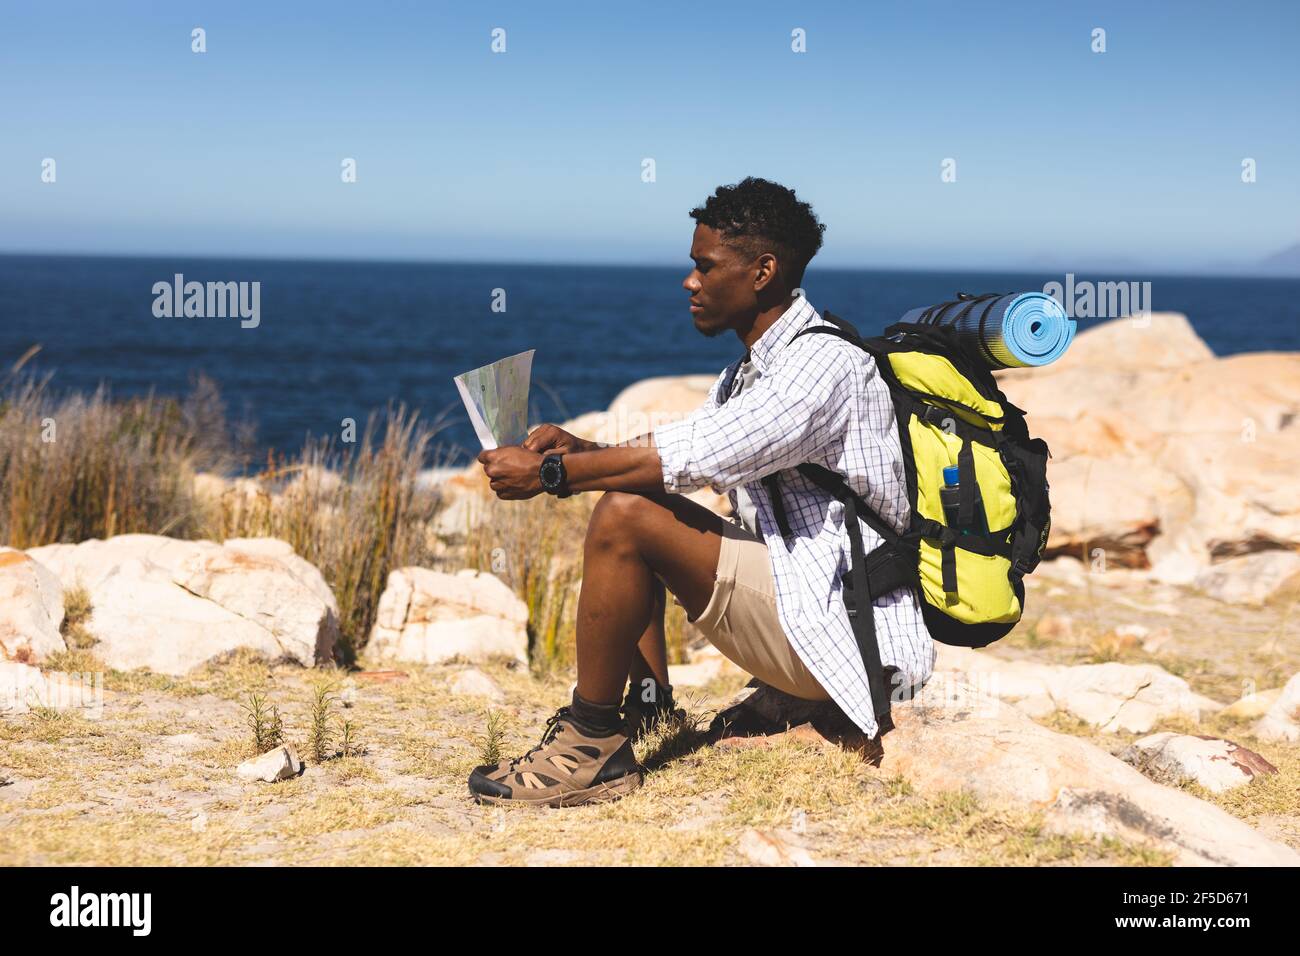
x=630 y=466
x=789 y=415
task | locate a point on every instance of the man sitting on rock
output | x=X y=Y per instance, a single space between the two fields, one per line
x=770 y=603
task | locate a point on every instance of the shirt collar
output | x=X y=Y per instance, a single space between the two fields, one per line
x=764 y=351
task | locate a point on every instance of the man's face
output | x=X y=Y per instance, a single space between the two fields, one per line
x=721 y=285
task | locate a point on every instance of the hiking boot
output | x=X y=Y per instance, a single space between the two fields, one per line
x=567 y=768
x=643 y=718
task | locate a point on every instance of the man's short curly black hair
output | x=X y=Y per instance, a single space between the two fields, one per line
x=764 y=216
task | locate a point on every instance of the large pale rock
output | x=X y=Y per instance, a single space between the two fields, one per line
x=1253 y=579
x=1164 y=455
x=172 y=605
x=1282 y=722
x=1117 y=504
x=434 y=617
x=89 y=563
x=142 y=618
x=952 y=737
x=1126 y=697
x=1112 y=696
x=1216 y=764
x=263 y=581
x=31 y=609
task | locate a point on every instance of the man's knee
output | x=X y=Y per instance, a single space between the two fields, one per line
x=618 y=516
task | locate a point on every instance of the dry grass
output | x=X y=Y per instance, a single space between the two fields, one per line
x=76 y=609
x=80 y=466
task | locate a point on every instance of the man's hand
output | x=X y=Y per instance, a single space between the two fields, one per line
x=554 y=440
x=513 y=470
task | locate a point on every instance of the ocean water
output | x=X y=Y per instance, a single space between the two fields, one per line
x=337 y=340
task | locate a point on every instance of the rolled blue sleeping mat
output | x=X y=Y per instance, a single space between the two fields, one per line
x=1018 y=330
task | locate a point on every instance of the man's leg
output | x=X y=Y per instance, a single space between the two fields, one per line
x=636 y=545
x=631 y=538
x=651 y=658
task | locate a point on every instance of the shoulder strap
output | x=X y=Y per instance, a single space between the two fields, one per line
x=728 y=380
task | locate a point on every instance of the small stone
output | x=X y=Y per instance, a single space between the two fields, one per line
x=474 y=683
x=773 y=848
x=278 y=764
x=1055 y=629
x=381 y=677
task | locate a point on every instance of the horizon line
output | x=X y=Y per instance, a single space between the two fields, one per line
x=1224 y=272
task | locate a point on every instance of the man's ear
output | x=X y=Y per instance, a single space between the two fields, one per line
x=765 y=271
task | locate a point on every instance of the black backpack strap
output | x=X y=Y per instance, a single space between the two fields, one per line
x=848 y=334
x=728 y=380
x=778 y=506
x=839 y=489
x=862 y=618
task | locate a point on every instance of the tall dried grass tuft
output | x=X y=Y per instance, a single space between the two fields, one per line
x=82 y=466
x=536 y=547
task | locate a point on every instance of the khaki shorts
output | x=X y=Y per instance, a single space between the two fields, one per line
x=741 y=620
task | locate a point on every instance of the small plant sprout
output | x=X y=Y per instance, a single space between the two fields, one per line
x=490 y=752
x=348 y=739
x=265 y=723
x=322 y=721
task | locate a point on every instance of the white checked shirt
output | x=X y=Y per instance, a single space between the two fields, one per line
x=818 y=399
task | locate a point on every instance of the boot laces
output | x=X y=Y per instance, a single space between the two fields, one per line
x=552 y=728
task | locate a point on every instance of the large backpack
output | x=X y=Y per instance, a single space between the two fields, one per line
x=950 y=411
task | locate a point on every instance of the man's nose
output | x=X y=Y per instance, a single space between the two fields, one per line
x=691 y=284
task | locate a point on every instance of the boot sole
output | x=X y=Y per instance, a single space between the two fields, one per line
x=601 y=793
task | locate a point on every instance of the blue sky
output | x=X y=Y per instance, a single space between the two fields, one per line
x=1064 y=156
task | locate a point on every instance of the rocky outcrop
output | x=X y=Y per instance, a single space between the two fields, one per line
x=1163 y=455
x=1253 y=579
x=171 y=605
x=31 y=609
x=952 y=737
x=434 y=617
x=1112 y=697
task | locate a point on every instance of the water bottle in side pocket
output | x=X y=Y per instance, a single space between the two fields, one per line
x=950 y=497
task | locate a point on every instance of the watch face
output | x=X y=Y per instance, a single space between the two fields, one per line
x=550 y=474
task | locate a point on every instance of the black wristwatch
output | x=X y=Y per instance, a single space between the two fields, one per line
x=554 y=478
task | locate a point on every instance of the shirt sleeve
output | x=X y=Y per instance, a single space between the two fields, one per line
x=787 y=416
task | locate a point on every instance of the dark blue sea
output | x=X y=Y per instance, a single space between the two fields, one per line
x=339 y=339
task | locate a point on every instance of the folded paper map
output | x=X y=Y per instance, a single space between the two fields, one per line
x=496 y=397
